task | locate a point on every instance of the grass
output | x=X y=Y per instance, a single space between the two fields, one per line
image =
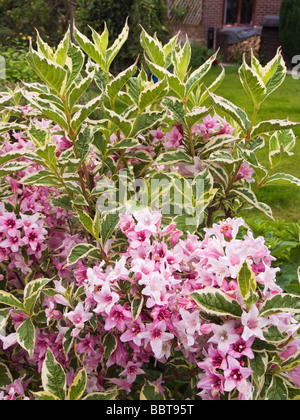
x=284 y=103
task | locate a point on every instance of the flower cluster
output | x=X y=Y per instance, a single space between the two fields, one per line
x=158 y=273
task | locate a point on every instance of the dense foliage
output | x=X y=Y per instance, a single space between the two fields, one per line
x=150 y=14
x=126 y=269
x=289 y=27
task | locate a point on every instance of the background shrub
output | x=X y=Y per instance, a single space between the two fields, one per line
x=289 y=27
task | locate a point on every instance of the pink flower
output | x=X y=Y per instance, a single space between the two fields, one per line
x=13 y=242
x=8 y=340
x=236 y=377
x=227 y=128
x=132 y=333
x=216 y=361
x=157 y=135
x=157 y=336
x=242 y=348
x=30 y=222
x=192 y=170
x=268 y=279
x=245 y=172
x=174 y=139
x=126 y=224
x=224 y=336
x=253 y=324
x=78 y=317
x=34 y=237
x=9 y=224
x=209 y=126
x=106 y=299
x=147 y=220
x=118 y=317
x=212 y=382
x=131 y=371
x=155 y=288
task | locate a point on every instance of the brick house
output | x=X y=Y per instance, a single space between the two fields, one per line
x=195 y=17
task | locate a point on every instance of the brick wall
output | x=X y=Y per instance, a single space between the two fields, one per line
x=266 y=7
x=213 y=15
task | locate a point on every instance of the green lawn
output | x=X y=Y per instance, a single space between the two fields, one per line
x=284 y=103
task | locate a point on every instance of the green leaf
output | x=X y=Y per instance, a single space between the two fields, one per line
x=273 y=74
x=252 y=83
x=150 y=392
x=80 y=252
x=247 y=284
x=78 y=386
x=171 y=158
x=84 y=112
x=115 y=86
x=109 y=345
x=123 y=145
x=45 y=396
x=217 y=143
x=101 y=396
x=259 y=366
x=124 y=125
x=9 y=156
x=108 y=224
x=12 y=168
x=147 y=120
x=5 y=376
x=182 y=60
x=274 y=336
x=153 y=48
x=174 y=82
x=248 y=195
x=48 y=154
x=53 y=376
x=176 y=108
x=197 y=76
x=281 y=303
x=78 y=89
x=61 y=52
x=215 y=302
x=50 y=72
x=282 y=179
x=44 y=178
x=153 y=94
x=272 y=126
x=233 y=111
x=277 y=390
x=38 y=135
x=83 y=142
x=26 y=336
x=86 y=221
x=117 y=45
x=101 y=41
x=74 y=63
x=136 y=307
x=213 y=87
x=194 y=116
x=89 y=48
x=9 y=300
x=32 y=290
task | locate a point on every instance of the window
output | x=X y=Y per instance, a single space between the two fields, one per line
x=240 y=12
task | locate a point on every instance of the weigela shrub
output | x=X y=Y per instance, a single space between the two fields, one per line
x=125 y=269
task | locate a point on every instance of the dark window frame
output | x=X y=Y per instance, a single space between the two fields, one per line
x=238 y=23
